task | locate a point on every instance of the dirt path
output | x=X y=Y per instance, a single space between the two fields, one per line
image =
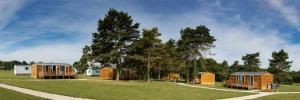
x=40 y=94
x=260 y=94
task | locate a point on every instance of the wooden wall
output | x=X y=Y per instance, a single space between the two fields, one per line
x=173 y=76
x=259 y=81
x=106 y=73
x=266 y=79
x=37 y=71
x=207 y=78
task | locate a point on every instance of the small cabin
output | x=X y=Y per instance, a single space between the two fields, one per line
x=206 y=78
x=250 y=80
x=174 y=76
x=22 y=70
x=52 y=70
x=93 y=71
x=106 y=73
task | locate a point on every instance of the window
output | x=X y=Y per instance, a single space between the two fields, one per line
x=54 y=68
x=47 y=68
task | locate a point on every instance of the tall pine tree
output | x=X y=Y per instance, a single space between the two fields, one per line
x=115 y=33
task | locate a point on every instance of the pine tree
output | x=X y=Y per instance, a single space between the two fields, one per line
x=115 y=33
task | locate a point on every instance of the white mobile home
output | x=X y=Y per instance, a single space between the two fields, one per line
x=92 y=71
x=22 y=69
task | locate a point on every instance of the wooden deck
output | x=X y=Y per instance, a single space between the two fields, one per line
x=245 y=85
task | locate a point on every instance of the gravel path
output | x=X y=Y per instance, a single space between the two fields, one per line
x=40 y=94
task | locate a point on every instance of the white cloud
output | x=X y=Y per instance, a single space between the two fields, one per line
x=8 y=9
x=287 y=11
x=64 y=53
x=233 y=40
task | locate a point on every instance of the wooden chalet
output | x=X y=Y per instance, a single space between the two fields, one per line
x=250 y=80
x=106 y=73
x=173 y=76
x=52 y=71
x=206 y=78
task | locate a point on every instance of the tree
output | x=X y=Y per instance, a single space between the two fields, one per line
x=115 y=33
x=84 y=60
x=279 y=64
x=236 y=67
x=195 y=42
x=149 y=48
x=169 y=63
x=251 y=62
x=225 y=69
x=24 y=63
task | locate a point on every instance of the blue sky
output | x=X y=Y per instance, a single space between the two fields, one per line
x=56 y=30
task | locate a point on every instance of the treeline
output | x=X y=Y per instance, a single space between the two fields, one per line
x=9 y=65
x=118 y=42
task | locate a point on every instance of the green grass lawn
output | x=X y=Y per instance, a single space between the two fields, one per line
x=113 y=90
x=281 y=97
x=6 y=94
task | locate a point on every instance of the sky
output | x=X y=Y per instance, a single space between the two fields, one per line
x=56 y=30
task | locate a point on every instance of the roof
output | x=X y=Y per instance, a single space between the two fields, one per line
x=22 y=65
x=249 y=73
x=51 y=63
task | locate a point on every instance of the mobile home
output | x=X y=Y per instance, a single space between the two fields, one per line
x=22 y=69
x=52 y=70
x=93 y=71
x=250 y=80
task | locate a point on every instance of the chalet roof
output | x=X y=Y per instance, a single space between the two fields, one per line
x=249 y=73
x=203 y=72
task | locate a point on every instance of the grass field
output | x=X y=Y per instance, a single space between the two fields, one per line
x=6 y=94
x=281 y=97
x=95 y=88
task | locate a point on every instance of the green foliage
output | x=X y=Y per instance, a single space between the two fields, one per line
x=115 y=33
x=279 y=66
x=251 y=62
x=149 y=49
x=283 y=78
x=236 y=67
x=195 y=42
x=296 y=76
x=9 y=65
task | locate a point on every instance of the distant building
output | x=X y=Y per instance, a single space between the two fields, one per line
x=206 y=78
x=22 y=69
x=93 y=71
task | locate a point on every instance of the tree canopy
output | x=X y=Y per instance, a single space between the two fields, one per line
x=115 y=33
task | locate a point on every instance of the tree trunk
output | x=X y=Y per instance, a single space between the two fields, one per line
x=118 y=74
x=187 y=73
x=159 y=73
x=194 y=71
x=148 y=68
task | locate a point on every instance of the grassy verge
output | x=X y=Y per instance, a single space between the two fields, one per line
x=281 y=97
x=6 y=94
x=116 y=90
